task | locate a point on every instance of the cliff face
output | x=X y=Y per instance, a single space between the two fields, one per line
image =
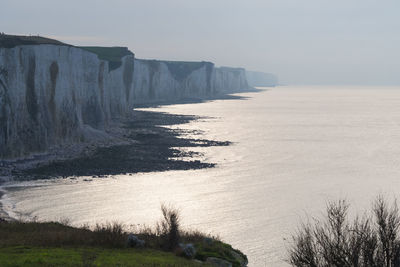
x=255 y=78
x=156 y=80
x=230 y=80
x=170 y=80
x=54 y=94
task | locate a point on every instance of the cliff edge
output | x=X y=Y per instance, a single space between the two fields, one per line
x=54 y=94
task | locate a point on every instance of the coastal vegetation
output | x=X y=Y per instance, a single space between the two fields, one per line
x=182 y=69
x=91 y=256
x=366 y=241
x=113 y=55
x=10 y=41
x=112 y=244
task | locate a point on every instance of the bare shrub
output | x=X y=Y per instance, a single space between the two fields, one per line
x=169 y=228
x=338 y=242
x=196 y=236
x=167 y=233
x=110 y=234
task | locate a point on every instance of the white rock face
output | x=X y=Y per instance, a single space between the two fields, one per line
x=230 y=80
x=163 y=80
x=255 y=78
x=57 y=94
x=51 y=94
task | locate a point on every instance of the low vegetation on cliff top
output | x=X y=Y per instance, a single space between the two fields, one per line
x=58 y=244
x=10 y=41
x=113 y=55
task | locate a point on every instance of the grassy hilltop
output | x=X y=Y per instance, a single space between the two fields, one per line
x=113 y=55
x=58 y=244
x=10 y=41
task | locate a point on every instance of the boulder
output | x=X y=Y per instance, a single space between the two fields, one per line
x=243 y=261
x=186 y=250
x=133 y=241
x=189 y=251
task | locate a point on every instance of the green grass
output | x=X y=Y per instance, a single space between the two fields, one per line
x=10 y=41
x=57 y=244
x=113 y=55
x=59 y=235
x=41 y=256
x=220 y=250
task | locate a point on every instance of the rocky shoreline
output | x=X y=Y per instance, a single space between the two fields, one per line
x=136 y=132
x=142 y=143
x=14 y=169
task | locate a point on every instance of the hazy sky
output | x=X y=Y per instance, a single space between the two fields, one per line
x=302 y=41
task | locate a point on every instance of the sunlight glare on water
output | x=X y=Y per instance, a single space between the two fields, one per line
x=294 y=149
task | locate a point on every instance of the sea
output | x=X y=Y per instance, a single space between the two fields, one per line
x=294 y=149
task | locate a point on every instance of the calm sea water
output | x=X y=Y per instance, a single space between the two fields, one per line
x=295 y=148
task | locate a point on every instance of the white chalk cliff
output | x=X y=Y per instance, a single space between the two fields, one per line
x=256 y=78
x=52 y=94
x=156 y=80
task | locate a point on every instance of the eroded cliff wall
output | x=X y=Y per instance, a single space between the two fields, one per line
x=255 y=78
x=230 y=80
x=156 y=80
x=53 y=94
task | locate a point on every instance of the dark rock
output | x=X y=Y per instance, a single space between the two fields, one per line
x=188 y=250
x=151 y=147
x=134 y=242
x=243 y=261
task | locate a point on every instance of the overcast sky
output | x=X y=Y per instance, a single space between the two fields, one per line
x=302 y=41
